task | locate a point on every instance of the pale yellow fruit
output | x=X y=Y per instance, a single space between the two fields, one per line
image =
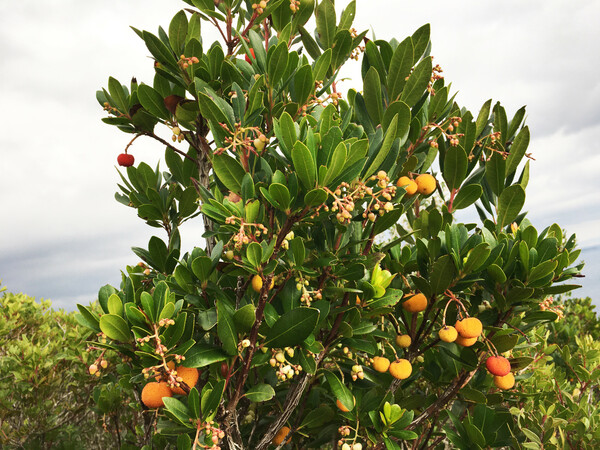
x=505 y=382
x=448 y=334
x=381 y=364
x=426 y=184
x=401 y=369
x=403 y=340
x=257 y=283
x=409 y=185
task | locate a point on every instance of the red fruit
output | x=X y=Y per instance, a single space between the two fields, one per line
x=253 y=56
x=224 y=369
x=498 y=365
x=125 y=159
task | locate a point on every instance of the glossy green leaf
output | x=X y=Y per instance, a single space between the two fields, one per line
x=315 y=197
x=400 y=65
x=254 y=254
x=244 y=318
x=118 y=95
x=455 y=166
x=178 y=409
x=281 y=195
x=115 y=327
x=372 y=95
x=443 y=272
x=277 y=63
x=115 y=305
x=201 y=355
x=390 y=136
x=417 y=82
x=229 y=171
x=517 y=151
x=303 y=84
x=226 y=329
x=510 y=203
x=304 y=165
x=178 y=29
x=401 y=110
x=325 y=17
x=317 y=417
x=152 y=101
x=495 y=168
x=467 y=196
x=260 y=393
x=292 y=328
x=340 y=391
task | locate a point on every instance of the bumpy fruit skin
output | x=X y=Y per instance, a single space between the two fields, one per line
x=257 y=283
x=248 y=60
x=465 y=342
x=190 y=377
x=426 y=184
x=498 y=365
x=125 y=159
x=448 y=333
x=505 y=382
x=381 y=364
x=341 y=406
x=281 y=435
x=403 y=340
x=416 y=303
x=409 y=185
x=153 y=393
x=469 y=327
x=401 y=369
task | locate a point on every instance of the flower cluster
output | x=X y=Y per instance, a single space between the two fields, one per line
x=243 y=236
x=260 y=6
x=187 y=62
x=548 y=305
x=286 y=369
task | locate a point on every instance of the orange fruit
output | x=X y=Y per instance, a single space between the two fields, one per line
x=381 y=364
x=469 y=327
x=426 y=184
x=498 y=365
x=341 y=406
x=403 y=340
x=190 y=377
x=153 y=393
x=401 y=369
x=448 y=334
x=281 y=435
x=505 y=382
x=257 y=283
x=409 y=185
x=465 y=342
x=416 y=303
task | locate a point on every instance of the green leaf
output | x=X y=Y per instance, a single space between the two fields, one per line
x=483 y=117
x=178 y=29
x=336 y=163
x=254 y=254
x=152 y=101
x=542 y=270
x=390 y=136
x=178 y=409
x=115 y=305
x=443 y=272
x=372 y=95
x=260 y=393
x=244 y=318
x=115 y=327
x=304 y=165
x=91 y=319
x=317 y=417
x=226 y=329
x=215 y=109
x=159 y=50
x=118 y=95
x=494 y=173
x=202 y=267
x=212 y=401
x=277 y=62
x=229 y=171
x=401 y=110
x=400 y=65
x=342 y=47
x=420 y=40
x=505 y=342
x=303 y=84
x=201 y=355
x=292 y=328
x=315 y=197
x=288 y=131
x=281 y=195
x=467 y=195
x=325 y=17
x=510 y=203
x=417 y=82
x=347 y=16
x=339 y=390
x=322 y=64
x=477 y=257
x=517 y=151
x=297 y=247
x=455 y=166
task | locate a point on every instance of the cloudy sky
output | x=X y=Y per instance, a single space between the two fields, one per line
x=62 y=234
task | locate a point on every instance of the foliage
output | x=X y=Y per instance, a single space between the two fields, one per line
x=556 y=403
x=45 y=393
x=296 y=292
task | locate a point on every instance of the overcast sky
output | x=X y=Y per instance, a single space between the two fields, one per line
x=62 y=234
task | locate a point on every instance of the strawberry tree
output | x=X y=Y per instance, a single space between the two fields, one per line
x=310 y=314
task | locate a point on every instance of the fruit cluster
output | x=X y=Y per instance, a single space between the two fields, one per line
x=400 y=369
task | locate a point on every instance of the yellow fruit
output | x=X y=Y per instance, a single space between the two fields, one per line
x=448 y=334
x=257 y=283
x=498 y=366
x=469 y=327
x=409 y=185
x=381 y=364
x=401 y=369
x=505 y=382
x=416 y=303
x=465 y=342
x=190 y=377
x=426 y=184
x=403 y=340
x=281 y=435
x=153 y=393
x=341 y=406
